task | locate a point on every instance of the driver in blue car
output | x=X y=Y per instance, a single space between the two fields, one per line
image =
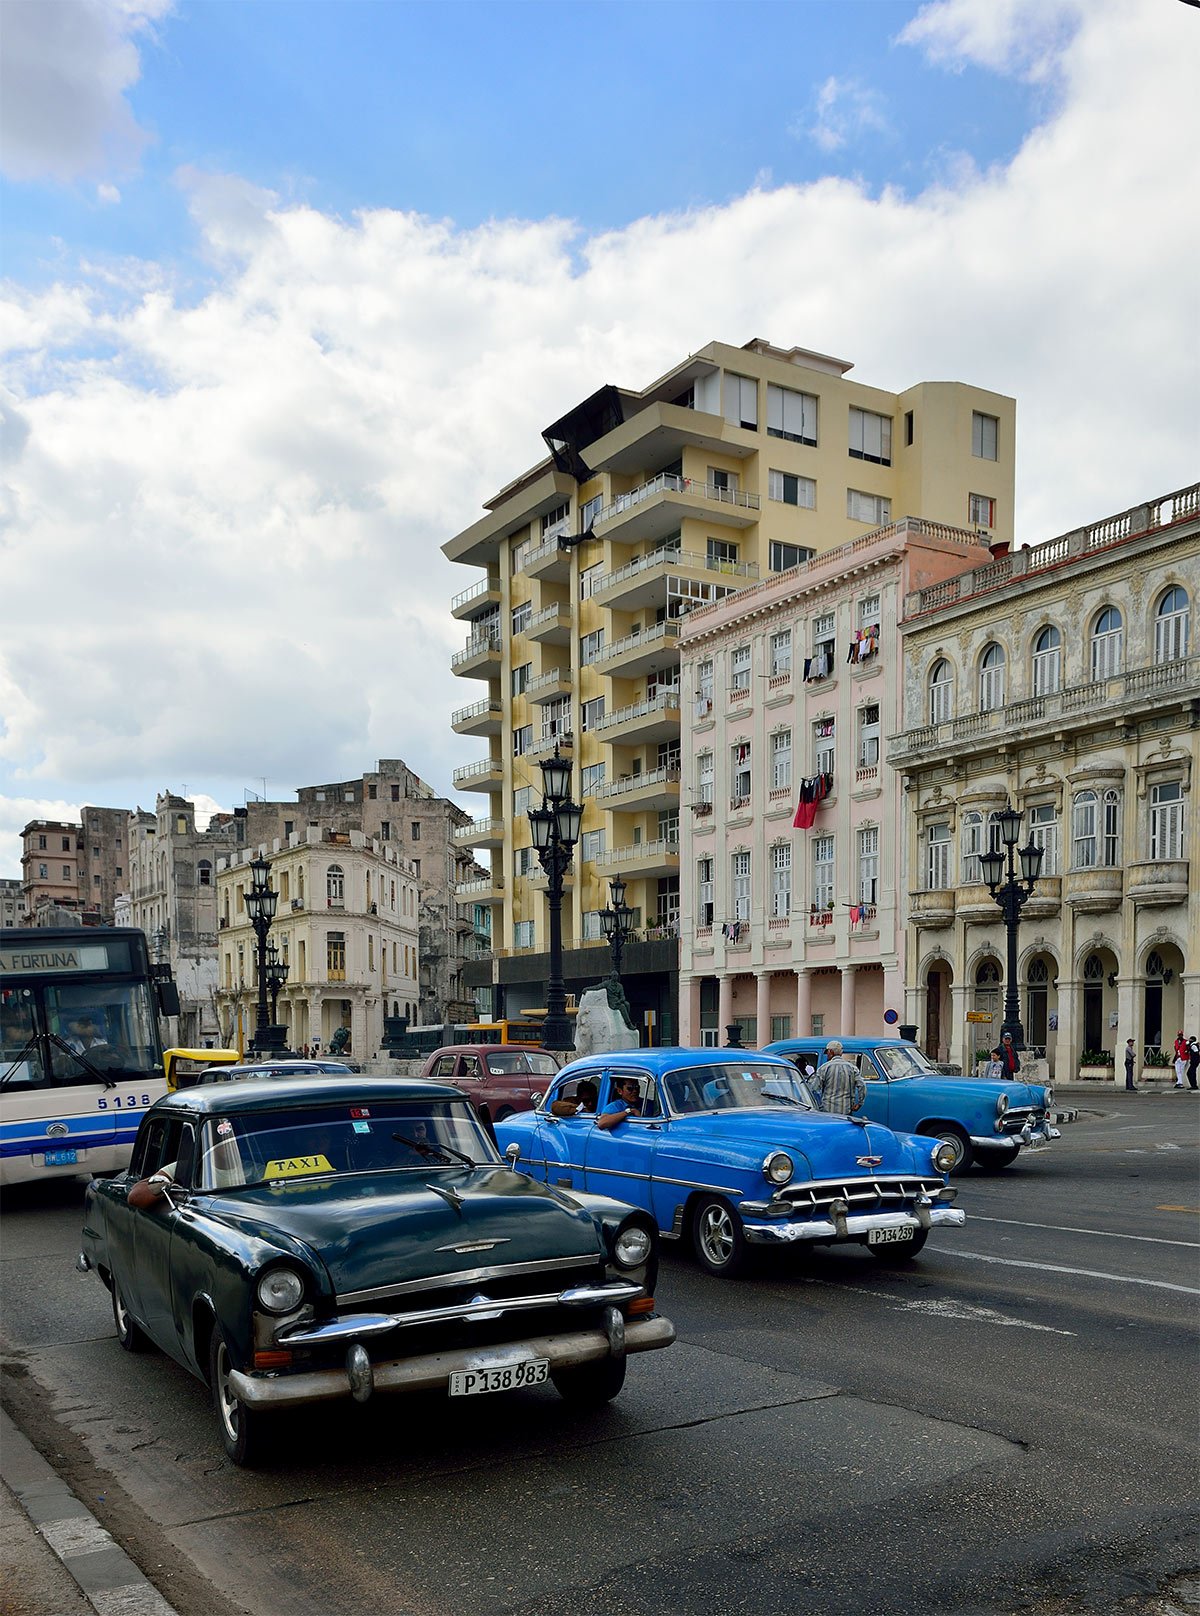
x=626 y=1102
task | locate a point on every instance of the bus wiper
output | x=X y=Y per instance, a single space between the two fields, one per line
x=30 y=1047
x=93 y=1071
x=424 y=1148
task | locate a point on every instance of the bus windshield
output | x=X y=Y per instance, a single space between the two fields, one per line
x=94 y=1032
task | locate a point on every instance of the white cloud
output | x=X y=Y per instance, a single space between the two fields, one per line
x=1025 y=38
x=64 y=72
x=107 y=194
x=844 y=110
x=225 y=511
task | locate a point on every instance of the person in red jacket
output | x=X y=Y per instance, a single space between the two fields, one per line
x=1181 y=1060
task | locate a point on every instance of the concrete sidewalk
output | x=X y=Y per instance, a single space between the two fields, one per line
x=57 y=1558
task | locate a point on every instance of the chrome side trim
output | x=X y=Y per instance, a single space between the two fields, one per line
x=433 y=1370
x=360 y=1325
x=467 y=1276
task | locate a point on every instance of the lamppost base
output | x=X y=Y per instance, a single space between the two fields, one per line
x=269 y=1040
x=556 y=1034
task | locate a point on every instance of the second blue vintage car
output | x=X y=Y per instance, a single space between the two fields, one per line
x=728 y=1149
x=981 y=1121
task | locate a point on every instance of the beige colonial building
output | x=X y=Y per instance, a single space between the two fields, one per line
x=1061 y=678
x=80 y=867
x=799 y=929
x=347 y=926
x=737 y=464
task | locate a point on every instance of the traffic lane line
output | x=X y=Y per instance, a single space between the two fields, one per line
x=1098 y=1234
x=1058 y=1268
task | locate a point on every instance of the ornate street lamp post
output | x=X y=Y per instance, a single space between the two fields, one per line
x=261 y=900
x=277 y=975
x=617 y=923
x=555 y=826
x=1012 y=894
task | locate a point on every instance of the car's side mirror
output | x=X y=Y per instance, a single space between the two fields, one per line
x=537 y=1097
x=512 y=1155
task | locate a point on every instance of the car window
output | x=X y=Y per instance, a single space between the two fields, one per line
x=508 y=1060
x=576 y=1097
x=736 y=1085
x=647 y=1091
x=311 y=1142
x=903 y=1062
x=542 y=1065
x=166 y=1142
x=471 y=1067
x=443 y=1066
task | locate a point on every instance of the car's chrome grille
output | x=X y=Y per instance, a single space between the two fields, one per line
x=891 y=1193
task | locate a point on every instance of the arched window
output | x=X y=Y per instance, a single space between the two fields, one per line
x=1047 y=661
x=987 y=995
x=335 y=884
x=991 y=678
x=941 y=692
x=1096 y=830
x=1107 y=632
x=1171 y=626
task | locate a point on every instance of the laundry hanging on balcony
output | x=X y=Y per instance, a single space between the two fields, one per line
x=817 y=667
x=813 y=792
x=864 y=644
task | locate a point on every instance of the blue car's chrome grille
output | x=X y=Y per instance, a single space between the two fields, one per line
x=885 y=1191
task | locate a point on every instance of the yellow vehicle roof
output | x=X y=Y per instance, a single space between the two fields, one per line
x=210 y=1057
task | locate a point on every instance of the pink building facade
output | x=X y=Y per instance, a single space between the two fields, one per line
x=793 y=895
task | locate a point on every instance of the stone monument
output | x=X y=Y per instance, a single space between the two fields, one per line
x=600 y=1026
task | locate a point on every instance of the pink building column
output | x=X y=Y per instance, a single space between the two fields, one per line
x=724 y=1004
x=689 y=1013
x=762 y=1009
x=846 y=1014
x=803 y=1027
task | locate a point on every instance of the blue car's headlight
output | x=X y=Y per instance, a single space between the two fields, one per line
x=944 y=1156
x=778 y=1167
x=1001 y=1105
x=1048 y=1095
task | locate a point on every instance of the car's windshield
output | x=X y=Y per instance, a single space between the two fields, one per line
x=521 y=1060
x=905 y=1060
x=736 y=1086
x=362 y=1136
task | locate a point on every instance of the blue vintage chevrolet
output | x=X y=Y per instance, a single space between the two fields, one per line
x=981 y=1121
x=727 y=1149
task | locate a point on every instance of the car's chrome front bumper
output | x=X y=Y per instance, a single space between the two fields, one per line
x=849 y=1225
x=1033 y=1136
x=430 y=1371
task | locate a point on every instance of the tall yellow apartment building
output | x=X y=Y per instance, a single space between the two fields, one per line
x=738 y=464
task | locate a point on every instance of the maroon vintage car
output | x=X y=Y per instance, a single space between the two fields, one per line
x=504 y=1077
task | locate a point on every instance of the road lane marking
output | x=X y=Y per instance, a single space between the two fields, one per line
x=1103 y=1234
x=945 y=1307
x=1054 y=1268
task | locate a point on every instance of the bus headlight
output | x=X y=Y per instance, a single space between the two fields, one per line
x=778 y=1167
x=280 y=1290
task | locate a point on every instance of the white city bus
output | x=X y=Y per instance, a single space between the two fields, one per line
x=81 y=1056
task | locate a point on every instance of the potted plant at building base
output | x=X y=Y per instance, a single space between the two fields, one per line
x=1096 y=1066
x=1157 y=1066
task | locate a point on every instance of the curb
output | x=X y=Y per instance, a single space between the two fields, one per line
x=109 y=1579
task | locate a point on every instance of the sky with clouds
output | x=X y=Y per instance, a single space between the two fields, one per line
x=292 y=287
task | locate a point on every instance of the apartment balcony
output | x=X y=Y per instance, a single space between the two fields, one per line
x=540 y=881
x=643 y=861
x=1076 y=707
x=660 y=433
x=1153 y=883
x=1093 y=892
x=480 y=718
x=480 y=658
x=480 y=833
x=481 y=598
x=662 y=505
x=644 y=721
x=486 y=775
x=548 y=740
x=644 y=652
x=550 y=560
x=976 y=906
x=928 y=910
x=550 y=686
x=489 y=890
x=551 y=625
x=655 y=790
x=1045 y=901
x=643 y=582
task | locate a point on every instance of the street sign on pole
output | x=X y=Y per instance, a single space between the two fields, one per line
x=979 y=1015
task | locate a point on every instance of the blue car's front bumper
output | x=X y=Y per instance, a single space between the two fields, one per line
x=1032 y=1136
x=781 y=1221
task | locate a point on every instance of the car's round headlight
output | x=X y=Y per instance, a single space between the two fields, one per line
x=1048 y=1091
x=632 y=1246
x=280 y=1290
x=778 y=1167
x=1001 y=1105
x=944 y=1156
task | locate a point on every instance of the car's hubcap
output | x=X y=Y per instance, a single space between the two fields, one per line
x=716 y=1235
x=227 y=1403
x=122 y=1315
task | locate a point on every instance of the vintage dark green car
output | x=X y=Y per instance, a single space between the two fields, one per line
x=328 y=1238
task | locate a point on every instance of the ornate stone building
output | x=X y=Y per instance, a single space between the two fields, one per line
x=1061 y=678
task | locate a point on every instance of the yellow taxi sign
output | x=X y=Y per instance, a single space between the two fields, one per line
x=297 y=1166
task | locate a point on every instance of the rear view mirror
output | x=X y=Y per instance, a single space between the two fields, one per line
x=512 y=1155
x=537 y=1097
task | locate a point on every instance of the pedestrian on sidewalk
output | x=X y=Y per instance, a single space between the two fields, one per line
x=1009 y=1055
x=1130 y=1062
x=1193 y=1060
x=1181 y=1059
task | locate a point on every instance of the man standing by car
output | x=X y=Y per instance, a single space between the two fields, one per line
x=838 y=1085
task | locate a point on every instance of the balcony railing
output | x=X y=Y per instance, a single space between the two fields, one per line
x=485 y=586
x=477 y=645
x=668 y=483
x=478 y=830
x=667 y=702
x=667 y=775
x=658 y=635
x=671 y=557
x=476 y=771
x=477 y=709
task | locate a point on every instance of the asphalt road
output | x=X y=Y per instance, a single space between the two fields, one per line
x=1008 y=1425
